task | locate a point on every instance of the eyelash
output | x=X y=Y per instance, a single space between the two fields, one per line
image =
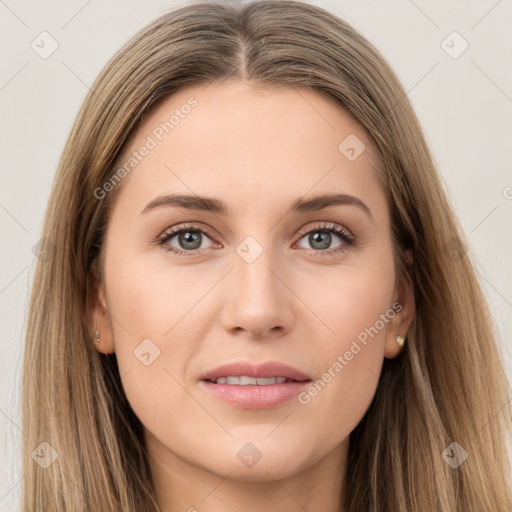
x=347 y=239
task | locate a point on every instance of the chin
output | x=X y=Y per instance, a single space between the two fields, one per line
x=261 y=460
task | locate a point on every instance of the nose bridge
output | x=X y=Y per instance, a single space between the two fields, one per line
x=252 y=267
x=259 y=302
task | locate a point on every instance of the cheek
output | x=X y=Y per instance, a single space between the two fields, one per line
x=355 y=309
x=349 y=300
x=158 y=319
x=149 y=300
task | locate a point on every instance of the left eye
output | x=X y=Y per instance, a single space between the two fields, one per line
x=321 y=240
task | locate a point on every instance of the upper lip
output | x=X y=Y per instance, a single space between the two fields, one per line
x=268 y=369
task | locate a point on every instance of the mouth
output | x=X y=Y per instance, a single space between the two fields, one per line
x=251 y=386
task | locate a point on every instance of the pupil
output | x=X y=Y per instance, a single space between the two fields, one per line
x=190 y=237
x=323 y=238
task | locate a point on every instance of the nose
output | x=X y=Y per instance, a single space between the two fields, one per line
x=259 y=302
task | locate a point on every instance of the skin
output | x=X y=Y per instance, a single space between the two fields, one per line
x=257 y=150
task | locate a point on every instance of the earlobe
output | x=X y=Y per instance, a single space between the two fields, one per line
x=395 y=344
x=396 y=336
x=99 y=321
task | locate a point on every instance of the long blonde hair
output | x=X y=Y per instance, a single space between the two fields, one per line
x=448 y=385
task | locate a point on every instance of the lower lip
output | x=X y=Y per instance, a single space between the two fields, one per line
x=255 y=397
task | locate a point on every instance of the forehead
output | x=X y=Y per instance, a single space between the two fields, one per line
x=231 y=113
x=220 y=139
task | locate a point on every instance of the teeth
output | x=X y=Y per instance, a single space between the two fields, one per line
x=250 y=381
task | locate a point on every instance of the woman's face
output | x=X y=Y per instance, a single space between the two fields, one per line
x=261 y=273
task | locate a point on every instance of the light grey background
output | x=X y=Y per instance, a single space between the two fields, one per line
x=464 y=104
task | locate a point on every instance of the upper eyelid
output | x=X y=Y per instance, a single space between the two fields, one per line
x=327 y=226
x=172 y=232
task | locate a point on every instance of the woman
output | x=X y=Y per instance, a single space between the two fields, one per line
x=258 y=291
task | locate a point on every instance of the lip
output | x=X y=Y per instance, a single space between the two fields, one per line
x=255 y=397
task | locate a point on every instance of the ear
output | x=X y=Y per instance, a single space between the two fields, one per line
x=98 y=316
x=404 y=308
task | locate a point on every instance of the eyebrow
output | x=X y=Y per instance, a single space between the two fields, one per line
x=216 y=206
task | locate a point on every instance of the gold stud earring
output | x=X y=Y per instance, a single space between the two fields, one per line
x=400 y=340
x=97 y=336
